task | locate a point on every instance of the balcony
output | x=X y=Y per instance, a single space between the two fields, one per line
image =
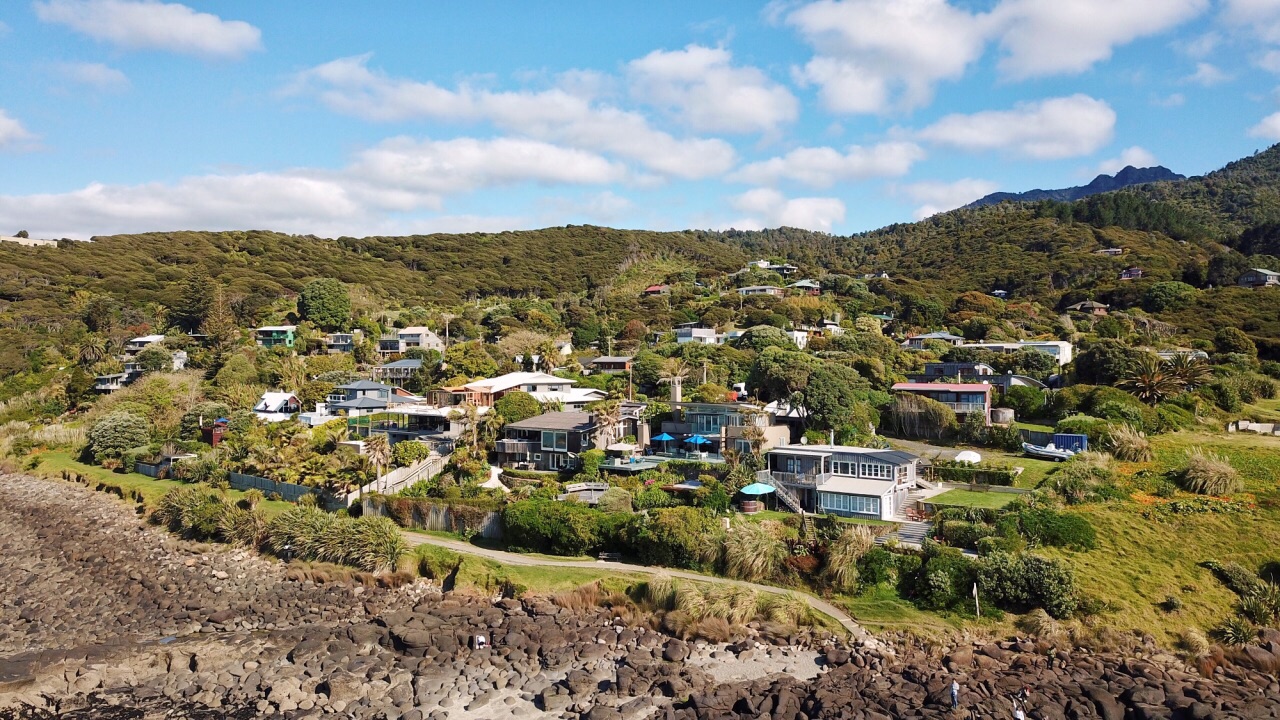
x=967 y=407
x=519 y=447
x=810 y=480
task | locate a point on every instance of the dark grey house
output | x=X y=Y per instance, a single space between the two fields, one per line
x=551 y=441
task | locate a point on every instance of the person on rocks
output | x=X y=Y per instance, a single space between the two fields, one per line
x=955 y=694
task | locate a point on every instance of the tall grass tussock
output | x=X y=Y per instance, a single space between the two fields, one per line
x=1128 y=444
x=1208 y=473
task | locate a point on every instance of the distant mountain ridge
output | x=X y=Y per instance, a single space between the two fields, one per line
x=1130 y=175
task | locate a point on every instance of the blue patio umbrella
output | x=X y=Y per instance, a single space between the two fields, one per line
x=757 y=489
x=664 y=438
x=697 y=440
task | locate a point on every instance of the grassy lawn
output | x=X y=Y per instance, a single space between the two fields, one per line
x=880 y=609
x=52 y=463
x=969 y=498
x=489 y=575
x=1140 y=561
x=1264 y=410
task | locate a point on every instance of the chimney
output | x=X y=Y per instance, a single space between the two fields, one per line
x=676 y=391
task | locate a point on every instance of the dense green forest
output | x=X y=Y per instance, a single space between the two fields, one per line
x=1202 y=231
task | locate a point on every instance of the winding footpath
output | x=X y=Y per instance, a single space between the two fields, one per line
x=510 y=558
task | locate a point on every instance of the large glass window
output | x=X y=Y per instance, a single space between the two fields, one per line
x=841 y=504
x=707 y=423
x=552 y=440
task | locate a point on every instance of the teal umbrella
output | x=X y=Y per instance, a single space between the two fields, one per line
x=757 y=489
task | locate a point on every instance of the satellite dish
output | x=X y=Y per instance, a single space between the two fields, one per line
x=804 y=441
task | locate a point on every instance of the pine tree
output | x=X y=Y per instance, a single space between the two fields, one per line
x=194 y=302
x=220 y=322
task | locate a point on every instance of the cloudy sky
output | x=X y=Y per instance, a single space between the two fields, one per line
x=334 y=118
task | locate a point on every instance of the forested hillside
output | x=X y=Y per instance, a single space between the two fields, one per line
x=1202 y=231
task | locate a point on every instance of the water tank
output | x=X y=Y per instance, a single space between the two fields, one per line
x=1002 y=416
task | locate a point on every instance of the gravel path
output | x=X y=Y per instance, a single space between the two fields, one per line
x=510 y=558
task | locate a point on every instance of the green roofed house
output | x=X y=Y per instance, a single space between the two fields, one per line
x=271 y=336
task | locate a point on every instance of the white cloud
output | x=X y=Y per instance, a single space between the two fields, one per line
x=1262 y=17
x=875 y=55
x=398 y=176
x=702 y=87
x=1207 y=74
x=1270 y=61
x=823 y=166
x=1070 y=36
x=770 y=208
x=1170 y=101
x=1134 y=156
x=348 y=86
x=604 y=208
x=940 y=196
x=12 y=133
x=1045 y=130
x=95 y=75
x=153 y=25
x=1268 y=128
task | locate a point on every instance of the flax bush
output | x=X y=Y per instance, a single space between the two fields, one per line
x=1208 y=473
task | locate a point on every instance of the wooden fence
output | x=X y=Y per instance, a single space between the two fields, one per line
x=287 y=491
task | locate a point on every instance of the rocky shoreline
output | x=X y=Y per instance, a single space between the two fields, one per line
x=102 y=616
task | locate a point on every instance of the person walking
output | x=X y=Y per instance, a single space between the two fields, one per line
x=955 y=694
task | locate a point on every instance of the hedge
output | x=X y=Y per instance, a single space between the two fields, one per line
x=954 y=471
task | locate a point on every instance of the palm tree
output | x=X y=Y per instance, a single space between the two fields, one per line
x=608 y=414
x=674 y=372
x=379 y=452
x=93 y=349
x=335 y=435
x=1190 y=371
x=1150 y=381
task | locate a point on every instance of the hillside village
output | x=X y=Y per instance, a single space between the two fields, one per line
x=868 y=436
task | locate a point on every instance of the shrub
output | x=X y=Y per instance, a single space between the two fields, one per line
x=876 y=566
x=1208 y=473
x=1020 y=583
x=1193 y=641
x=674 y=537
x=370 y=543
x=844 y=554
x=252 y=497
x=752 y=552
x=192 y=513
x=116 y=432
x=955 y=471
x=1238 y=578
x=559 y=528
x=958 y=533
x=1043 y=526
x=914 y=416
x=1083 y=477
x=1128 y=444
x=244 y=526
x=614 y=500
x=517 y=405
x=1095 y=428
x=788 y=609
x=404 y=454
x=1027 y=402
x=1235 y=632
x=654 y=497
x=1225 y=395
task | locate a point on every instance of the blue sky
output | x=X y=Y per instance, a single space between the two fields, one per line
x=410 y=117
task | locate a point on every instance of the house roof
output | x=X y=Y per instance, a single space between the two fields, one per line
x=893 y=457
x=856 y=486
x=556 y=421
x=1270 y=273
x=612 y=359
x=572 y=396
x=942 y=387
x=148 y=339
x=361 y=403
x=272 y=402
x=277 y=328
x=416 y=330
x=412 y=364
x=805 y=284
x=1087 y=305
x=515 y=379
x=758 y=287
x=657 y=288
x=937 y=335
x=364 y=385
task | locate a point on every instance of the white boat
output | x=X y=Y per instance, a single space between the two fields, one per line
x=1048 y=452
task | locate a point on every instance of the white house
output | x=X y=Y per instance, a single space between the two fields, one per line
x=276 y=407
x=139 y=343
x=845 y=480
x=1061 y=350
x=703 y=336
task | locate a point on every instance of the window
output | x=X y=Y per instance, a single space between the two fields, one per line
x=875 y=470
x=843 y=468
x=841 y=504
x=555 y=462
x=537 y=456
x=553 y=440
x=744 y=447
x=791 y=465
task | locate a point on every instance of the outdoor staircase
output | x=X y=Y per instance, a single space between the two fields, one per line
x=910 y=531
x=787 y=497
x=401 y=478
